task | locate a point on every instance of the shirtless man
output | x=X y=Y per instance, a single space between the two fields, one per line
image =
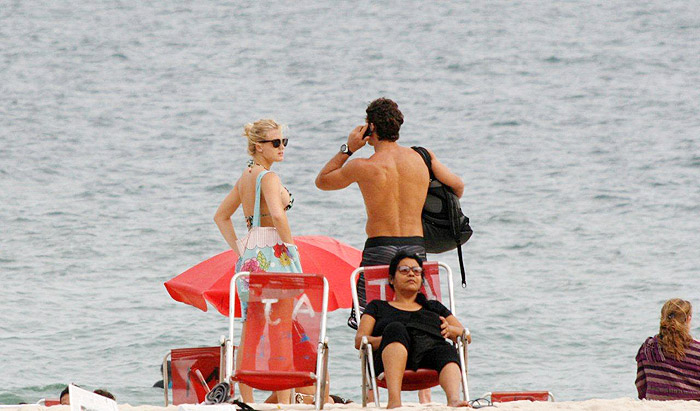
x=394 y=183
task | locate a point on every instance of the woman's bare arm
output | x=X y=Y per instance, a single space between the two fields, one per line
x=223 y=214
x=365 y=330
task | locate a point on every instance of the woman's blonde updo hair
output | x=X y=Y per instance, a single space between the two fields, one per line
x=674 y=330
x=256 y=132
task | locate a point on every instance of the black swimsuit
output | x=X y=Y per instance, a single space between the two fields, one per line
x=418 y=331
x=249 y=218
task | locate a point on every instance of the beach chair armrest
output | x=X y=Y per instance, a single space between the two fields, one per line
x=465 y=338
x=364 y=343
x=366 y=347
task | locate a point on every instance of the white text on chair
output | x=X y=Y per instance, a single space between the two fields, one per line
x=383 y=283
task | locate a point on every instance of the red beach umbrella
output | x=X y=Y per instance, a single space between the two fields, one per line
x=209 y=280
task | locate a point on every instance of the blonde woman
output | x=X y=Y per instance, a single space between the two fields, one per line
x=268 y=246
x=668 y=364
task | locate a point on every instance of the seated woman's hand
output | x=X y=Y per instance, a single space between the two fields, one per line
x=375 y=342
x=451 y=332
x=445 y=329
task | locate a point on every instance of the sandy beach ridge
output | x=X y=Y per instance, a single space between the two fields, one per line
x=621 y=404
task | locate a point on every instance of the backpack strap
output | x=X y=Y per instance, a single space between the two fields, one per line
x=256 y=208
x=461 y=265
x=426 y=159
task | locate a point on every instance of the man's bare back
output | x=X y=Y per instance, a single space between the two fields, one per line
x=394 y=180
x=394 y=183
x=394 y=190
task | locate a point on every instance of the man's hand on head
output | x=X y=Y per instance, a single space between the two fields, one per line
x=356 y=139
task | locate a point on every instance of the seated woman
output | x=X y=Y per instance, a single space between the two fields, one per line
x=668 y=364
x=410 y=331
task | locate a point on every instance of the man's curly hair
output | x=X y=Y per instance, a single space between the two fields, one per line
x=386 y=117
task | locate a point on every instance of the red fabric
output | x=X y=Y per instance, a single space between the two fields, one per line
x=189 y=286
x=187 y=388
x=209 y=280
x=274 y=380
x=282 y=331
x=377 y=282
x=416 y=380
x=51 y=403
x=507 y=396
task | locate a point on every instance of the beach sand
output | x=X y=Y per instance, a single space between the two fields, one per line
x=619 y=404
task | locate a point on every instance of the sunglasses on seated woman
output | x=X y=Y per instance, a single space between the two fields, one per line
x=276 y=143
x=404 y=269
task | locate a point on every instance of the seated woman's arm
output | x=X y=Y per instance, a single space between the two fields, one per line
x=641 y=382
x=365 y=330
x=452 y=328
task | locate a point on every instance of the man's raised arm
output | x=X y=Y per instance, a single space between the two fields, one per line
x=335 y=175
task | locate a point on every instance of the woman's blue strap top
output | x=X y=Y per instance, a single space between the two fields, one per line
x=256 y=208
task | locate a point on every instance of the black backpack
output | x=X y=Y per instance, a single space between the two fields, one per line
x=445 y=227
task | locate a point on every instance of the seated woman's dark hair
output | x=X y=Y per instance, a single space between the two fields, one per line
x=400 y=255
x=394 y=265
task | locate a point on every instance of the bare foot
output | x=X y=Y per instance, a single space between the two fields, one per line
x=458 y=404
x=391 y=405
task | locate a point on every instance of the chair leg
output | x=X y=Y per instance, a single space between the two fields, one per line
x=363 y=363
x=464 y=358
x=166 y=380
x=321 y=369
x=372 y=377
x=321 y=393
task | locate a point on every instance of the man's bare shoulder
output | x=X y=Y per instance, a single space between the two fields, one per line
x=363 y=169
x=359 y=164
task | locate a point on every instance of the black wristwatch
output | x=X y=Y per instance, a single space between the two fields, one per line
x=345 y=149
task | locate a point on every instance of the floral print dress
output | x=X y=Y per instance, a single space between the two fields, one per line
x=263 y=251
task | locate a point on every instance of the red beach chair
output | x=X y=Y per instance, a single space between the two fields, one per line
x=285 y=343
x=49 y=402
x=194 y=372
x=508 y=396
x=377 y=288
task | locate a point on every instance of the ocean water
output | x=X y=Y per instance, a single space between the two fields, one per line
x=574 y=125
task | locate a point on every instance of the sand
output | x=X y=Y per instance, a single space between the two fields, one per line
x=621 y=404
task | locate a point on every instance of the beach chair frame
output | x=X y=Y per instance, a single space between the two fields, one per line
x=322 y=344
x=370 y=380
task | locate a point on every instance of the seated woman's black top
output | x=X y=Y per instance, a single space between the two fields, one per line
x=426 y=319
x=423 y=326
